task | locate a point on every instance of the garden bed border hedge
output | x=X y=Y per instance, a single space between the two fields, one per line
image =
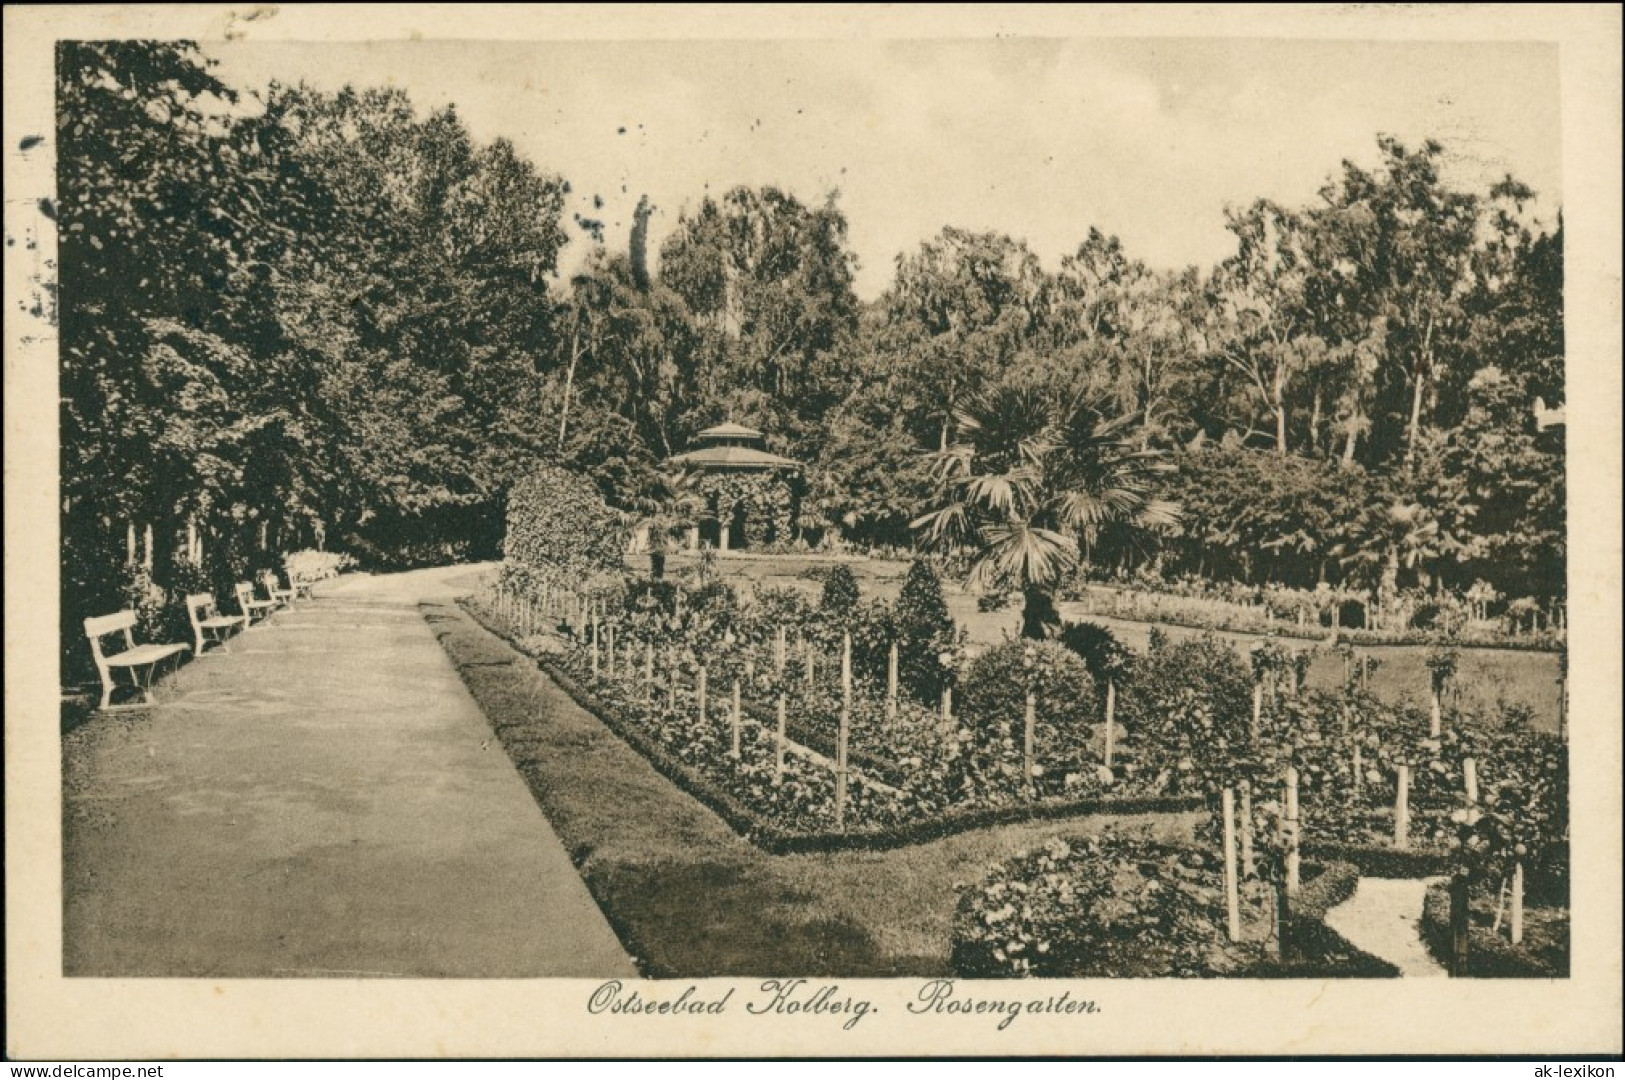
x=1382 y=862
x=777 y=841
x=1323 y=635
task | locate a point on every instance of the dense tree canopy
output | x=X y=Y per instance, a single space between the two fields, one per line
x=334 y=318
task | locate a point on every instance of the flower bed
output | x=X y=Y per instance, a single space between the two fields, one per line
x=1543 y=953
x=796 y=811
x=1119 y=907
x=1193 y=718
x=1286 y=613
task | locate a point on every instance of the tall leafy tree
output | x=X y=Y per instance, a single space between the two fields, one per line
x=959 y=310
x=1400 y=245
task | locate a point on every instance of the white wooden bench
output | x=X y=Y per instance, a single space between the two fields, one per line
x=303 y=588
x=208 y=624
x=279 y=596
x=251 y=608
x=137 y=659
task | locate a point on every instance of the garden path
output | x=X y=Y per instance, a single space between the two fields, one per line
x=325 y=799
x=1383 y=918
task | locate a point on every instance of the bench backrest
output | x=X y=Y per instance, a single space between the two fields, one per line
x=245 y=594
x=99 y=625
x=196 y=602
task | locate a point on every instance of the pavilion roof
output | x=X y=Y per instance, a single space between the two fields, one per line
x=729 y=430
x=732 y=457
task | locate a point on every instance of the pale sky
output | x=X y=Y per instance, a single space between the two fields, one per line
x=1038 y=138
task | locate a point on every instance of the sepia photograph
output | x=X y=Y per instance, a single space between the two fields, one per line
x=945 y=525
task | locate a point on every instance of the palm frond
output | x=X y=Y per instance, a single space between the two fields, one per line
x=1002 y=494
x=946 y=526
x=1022 y=554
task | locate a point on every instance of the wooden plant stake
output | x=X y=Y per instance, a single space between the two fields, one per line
x=1458 y=926
x=609 y=644
x=1435 y=713
x=947 y=706
x=649 y=670
x=699 y=695
x=778 y=651
x=1246 y=828
x=671 y=688
x=1283 y=919
x=1029 y=721
x=1359 y=772
x=1258 y=709
x=1517 y=903
x=1232 y=892
x=1563 y=703
x=1290 y=828
x=891 y=683
x=810 y=666
x=845 y=731
x=1111 y=721
x=778 y=742
x=1402 y=808
x=1469 y=779
x=595 y=650
x=734 y=719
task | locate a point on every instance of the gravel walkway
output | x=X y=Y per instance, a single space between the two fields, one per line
x=324 y=799
x=1383 y=918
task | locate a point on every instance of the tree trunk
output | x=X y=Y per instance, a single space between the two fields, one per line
x=569 y=382
x=1038 y=614
x=1314 y=423
x=1415 y=423
x=1424 y=364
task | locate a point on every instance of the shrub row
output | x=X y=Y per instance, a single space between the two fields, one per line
x=776 y=840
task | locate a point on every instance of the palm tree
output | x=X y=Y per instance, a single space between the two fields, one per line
x=1389 y=536
x=1028 y=474
x=672 y=506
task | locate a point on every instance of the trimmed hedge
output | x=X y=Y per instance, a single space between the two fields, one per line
x=557 y=519
x=1345 y=636
x=1383 y=862
x=778 y=841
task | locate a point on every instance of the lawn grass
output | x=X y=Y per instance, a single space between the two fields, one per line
x=686 y=894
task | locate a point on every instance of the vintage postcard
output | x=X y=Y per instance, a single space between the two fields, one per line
x=739 y=531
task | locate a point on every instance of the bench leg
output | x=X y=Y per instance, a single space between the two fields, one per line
x=110 y=683
x=145 y=685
